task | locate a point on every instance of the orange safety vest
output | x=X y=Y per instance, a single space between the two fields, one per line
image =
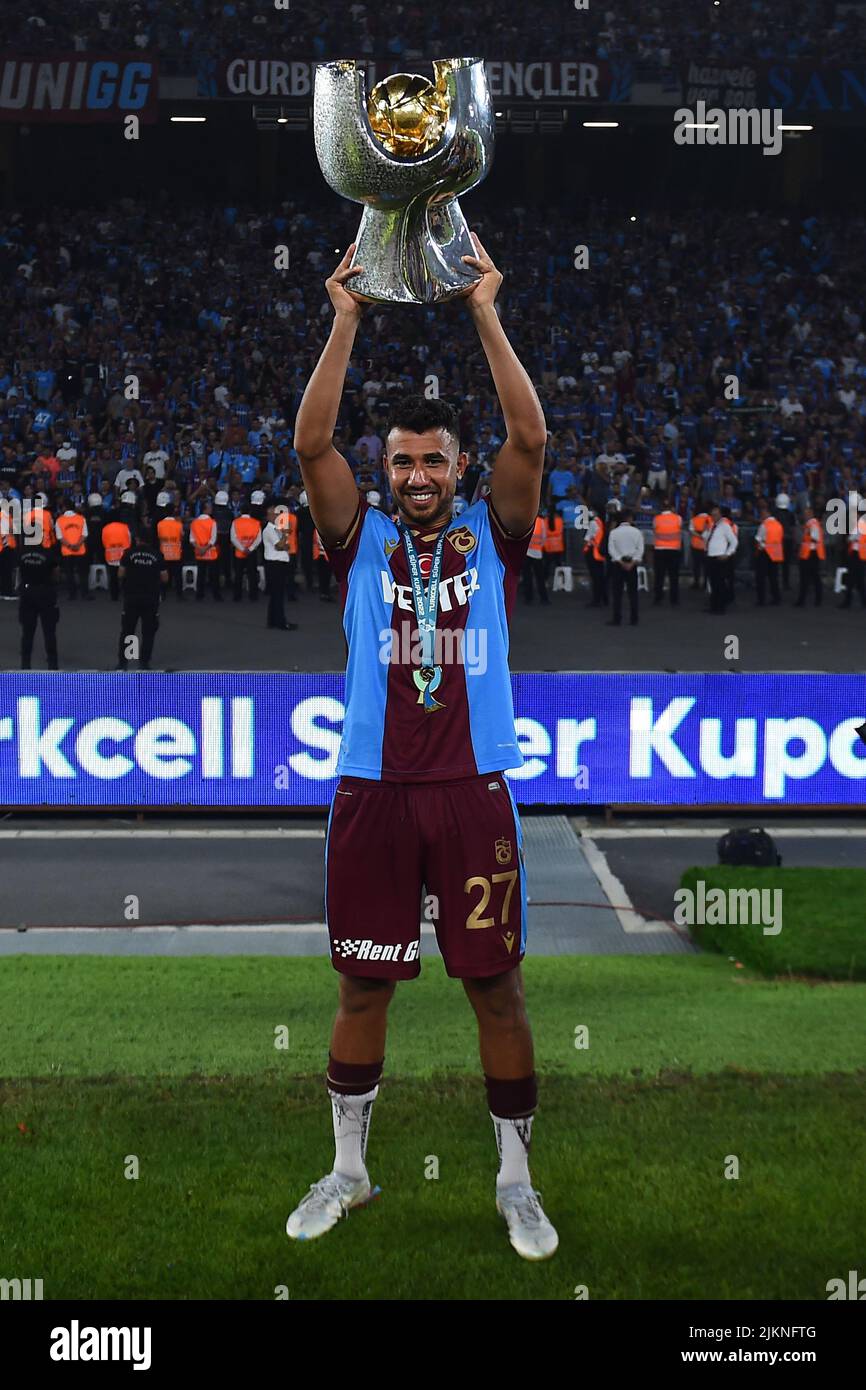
x=116 y=540
x=287 y=521
x=39 y=516
x=71 y=530
x=203 y=533
x=539 y=534
x=7 y=536
x=318 y=548
x=813 y=540
x=667 y=530
x=596 y=544
x=170 y=533
x=734 y=527
x=861 y=538
x=554 y=542
x=774 y=533
x=246 y=528
x=702 y=522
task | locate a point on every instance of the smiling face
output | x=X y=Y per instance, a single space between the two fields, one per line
x=423 y=470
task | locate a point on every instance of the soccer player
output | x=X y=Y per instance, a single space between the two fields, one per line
x=429 y=728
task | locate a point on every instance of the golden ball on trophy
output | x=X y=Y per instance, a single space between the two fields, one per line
x=408 y=114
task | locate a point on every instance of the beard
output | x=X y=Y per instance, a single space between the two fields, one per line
x=430 y=513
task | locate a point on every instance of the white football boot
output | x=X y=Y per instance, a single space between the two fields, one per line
x=327 y=1200
x=529 y=1230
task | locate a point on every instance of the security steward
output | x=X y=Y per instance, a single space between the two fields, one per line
x=8 y=548
x=246 y=537
x=594 y=548
x=554 y=543
x=287 y=521
x=38 y=601
x=204 y=538
x=699 y=525
x=116 y=540
x=71 y=532
x=667 y=534
x=142 y=576
x=533 y=565
x=769 y=555
x=813 y=553
x=169 y=534
x=855 y=578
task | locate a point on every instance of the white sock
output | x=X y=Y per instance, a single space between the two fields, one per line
x=512 y=1144
x=351 y=1126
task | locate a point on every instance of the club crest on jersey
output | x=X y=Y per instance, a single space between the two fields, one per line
x=508 y=938
x=390 y=547
x=503 y=851
x=462 y=539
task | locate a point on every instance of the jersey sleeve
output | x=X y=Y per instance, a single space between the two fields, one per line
x=341 y=554
x=510 y=549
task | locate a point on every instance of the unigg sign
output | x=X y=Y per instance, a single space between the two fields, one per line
x=77 y=87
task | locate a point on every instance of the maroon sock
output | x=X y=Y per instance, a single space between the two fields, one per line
x=512 y=1100
x=353 y=1078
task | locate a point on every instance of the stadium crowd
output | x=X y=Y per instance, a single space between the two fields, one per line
x=190 y=36
x=155 y=360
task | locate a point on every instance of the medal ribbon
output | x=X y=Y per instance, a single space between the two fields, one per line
x=426 y=610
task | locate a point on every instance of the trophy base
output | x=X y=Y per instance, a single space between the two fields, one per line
x=413 y=255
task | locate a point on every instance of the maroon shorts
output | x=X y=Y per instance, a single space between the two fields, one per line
x=444 y=855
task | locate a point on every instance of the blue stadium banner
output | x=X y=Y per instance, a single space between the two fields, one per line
x=78 y=87
x=811 y=89
x=799 y=89
x=227 y=740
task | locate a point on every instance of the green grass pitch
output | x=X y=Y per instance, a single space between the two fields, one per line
x=690 y=1060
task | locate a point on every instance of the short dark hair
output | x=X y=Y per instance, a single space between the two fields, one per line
x=418 y=414
x=626 y=514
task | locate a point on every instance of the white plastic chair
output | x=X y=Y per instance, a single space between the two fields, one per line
x=839 y=583
x=188 y=577
x=642 y=579
x=563 y=578
x=97 y=577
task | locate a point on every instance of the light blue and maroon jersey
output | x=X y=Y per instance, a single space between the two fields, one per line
x=387 y=734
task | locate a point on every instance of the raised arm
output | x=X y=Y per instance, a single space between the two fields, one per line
x=515 y=487
x=328 y=480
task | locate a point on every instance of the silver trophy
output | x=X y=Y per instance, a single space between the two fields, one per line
x=406 y=153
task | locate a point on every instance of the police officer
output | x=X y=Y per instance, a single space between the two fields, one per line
x=38 y=601
x=142 y=575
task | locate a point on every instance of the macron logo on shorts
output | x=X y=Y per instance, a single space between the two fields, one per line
x=366 y=950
